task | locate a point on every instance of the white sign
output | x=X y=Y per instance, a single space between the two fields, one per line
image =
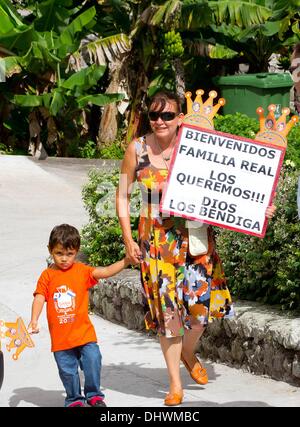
x=222 y=179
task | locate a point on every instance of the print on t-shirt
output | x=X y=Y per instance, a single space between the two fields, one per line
x=64 y=302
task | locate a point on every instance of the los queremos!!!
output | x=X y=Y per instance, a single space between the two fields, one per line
x=222 y=180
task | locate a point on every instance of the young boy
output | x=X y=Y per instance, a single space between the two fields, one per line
x=64 y=286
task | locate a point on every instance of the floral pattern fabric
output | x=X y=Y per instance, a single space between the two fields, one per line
x=181 y=291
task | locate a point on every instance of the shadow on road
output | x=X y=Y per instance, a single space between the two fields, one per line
x=37 y=397
x=154 y=385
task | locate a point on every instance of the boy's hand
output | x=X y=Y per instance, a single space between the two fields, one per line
x=33 y=328
x=127 y=261
x=133 y=253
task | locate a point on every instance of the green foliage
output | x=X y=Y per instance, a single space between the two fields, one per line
x=4 y=149
x=70 y=94
x=293 y=147
x=89 y=150
x=43 y=69
x=102 y=236
x=113 y=151
x=237 y=124
x=242 y=125
x=284 y=62
x=268 y=269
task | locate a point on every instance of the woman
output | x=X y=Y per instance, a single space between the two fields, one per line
x=177 y=285
x=295 y=70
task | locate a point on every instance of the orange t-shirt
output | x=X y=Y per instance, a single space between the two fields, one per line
x=66 y=294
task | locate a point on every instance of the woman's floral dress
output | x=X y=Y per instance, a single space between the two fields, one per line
x=182 y=291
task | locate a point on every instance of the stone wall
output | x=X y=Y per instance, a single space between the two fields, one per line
x=259 y=339
x=120 y=299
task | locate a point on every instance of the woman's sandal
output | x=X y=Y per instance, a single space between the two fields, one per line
x=198 y=372
x=174 y=399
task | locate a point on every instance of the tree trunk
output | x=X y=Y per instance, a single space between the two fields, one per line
x=179 y=78
x=135 y=124
x=108 y=128
x=36 y=148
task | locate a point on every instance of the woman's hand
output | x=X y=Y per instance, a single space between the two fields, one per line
x=270 y=211
x=133 y=253
x=33 y=328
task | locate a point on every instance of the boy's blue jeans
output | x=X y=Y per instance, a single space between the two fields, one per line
x=88 y=358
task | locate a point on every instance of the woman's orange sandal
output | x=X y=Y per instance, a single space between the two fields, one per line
x=198 y=372
x=174 y=399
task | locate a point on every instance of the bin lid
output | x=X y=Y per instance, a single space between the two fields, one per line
x=261 y=80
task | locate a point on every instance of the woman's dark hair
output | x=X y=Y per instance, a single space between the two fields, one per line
x=160 y=99
x=65 y=235
x=296 y=49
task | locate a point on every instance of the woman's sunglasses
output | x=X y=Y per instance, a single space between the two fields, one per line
x=166 y=116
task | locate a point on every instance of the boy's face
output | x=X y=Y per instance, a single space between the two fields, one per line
x=63 y=258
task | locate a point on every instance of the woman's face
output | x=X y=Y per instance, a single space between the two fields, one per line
x=164 y=125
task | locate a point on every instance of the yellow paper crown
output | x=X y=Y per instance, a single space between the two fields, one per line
x=18 y=334
x=201 y=113
x=274 y=131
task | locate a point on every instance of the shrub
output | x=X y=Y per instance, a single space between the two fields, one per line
x=267 y=270
x=237 y=124
x=102 y=236
x=113 y=151
x=293 y=147
x=242 y=125
x=4 y=149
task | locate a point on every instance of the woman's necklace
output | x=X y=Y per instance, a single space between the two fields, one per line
x=165 y=158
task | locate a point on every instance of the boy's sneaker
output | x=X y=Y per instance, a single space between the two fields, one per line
x=78 y=404
x=97 y=402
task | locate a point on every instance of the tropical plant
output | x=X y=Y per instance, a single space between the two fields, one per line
x=131 y=39
x=102 y=237
x=267 y=269
x=38 y=48
x=216 y=36
x=254 y=29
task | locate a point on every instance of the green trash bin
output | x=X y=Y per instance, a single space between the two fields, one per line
x=245 y=92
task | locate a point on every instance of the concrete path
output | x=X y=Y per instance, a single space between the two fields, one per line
x=35 y=196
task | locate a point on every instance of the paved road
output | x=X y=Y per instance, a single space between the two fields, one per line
x=35 y=196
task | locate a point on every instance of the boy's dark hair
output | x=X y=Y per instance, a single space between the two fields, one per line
x=65 y=235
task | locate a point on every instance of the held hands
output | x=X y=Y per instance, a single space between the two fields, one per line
x=133 y=253
x=33 y=328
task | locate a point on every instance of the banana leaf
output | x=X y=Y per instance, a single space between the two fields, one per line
x=85 y=18
x=241 y=13
x=53 y=14
x=9 y=10
x=99 y=100
x=84 y=78
x=11 y=65
x=32 y=100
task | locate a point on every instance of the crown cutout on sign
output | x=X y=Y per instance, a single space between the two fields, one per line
x=18 y=335
x=201 y=113
x=274 y=131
